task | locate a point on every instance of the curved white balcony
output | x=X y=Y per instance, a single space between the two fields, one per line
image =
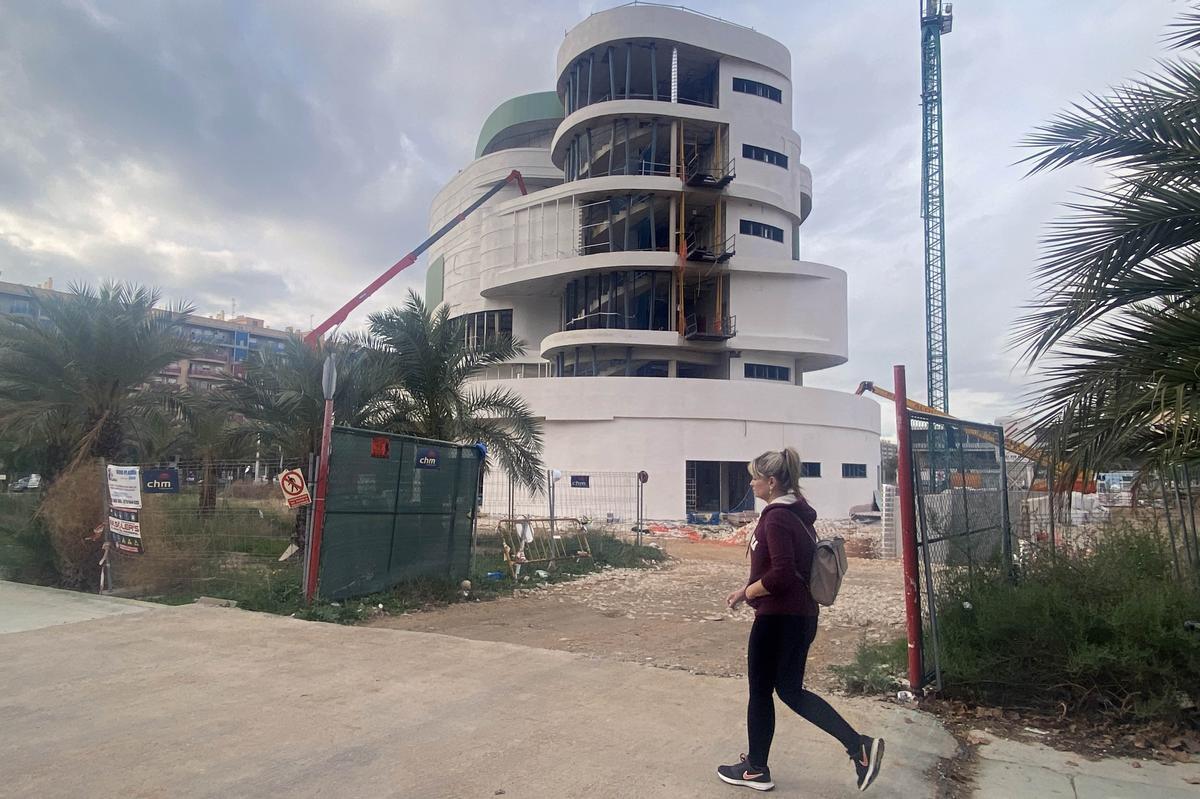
x=597 y=115
x=672 y=24
x=548 y=276
x=665 y=340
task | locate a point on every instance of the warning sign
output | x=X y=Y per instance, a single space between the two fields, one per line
x=295 y=490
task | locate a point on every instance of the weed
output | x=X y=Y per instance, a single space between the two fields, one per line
x=875 y=667
x=1101 y=631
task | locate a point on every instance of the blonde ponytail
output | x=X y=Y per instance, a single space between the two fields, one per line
x=783 y=465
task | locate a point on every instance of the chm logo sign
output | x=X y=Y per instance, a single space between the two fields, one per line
x=160 y=481
x=428 y=459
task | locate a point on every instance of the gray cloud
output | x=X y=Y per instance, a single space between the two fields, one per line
x=286 y=152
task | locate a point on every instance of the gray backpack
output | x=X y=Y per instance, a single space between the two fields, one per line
x=828 y=567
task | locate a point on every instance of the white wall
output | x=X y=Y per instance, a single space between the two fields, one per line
x=658 y=424
x=740 y=104
x=461 y=246
x=805 y=314
x=754 y=246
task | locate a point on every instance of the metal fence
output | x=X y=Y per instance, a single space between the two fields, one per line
x=1073 y=522
x=962 y=512
x=217 y=528
x=396 y=508
x=611 y=499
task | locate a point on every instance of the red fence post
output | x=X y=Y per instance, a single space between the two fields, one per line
x=314 y=546
x=329 y=389
x=908 y=530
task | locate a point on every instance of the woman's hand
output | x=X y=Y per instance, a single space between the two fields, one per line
x=736 y=598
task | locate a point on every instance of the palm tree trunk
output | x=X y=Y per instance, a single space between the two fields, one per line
x=208 y=488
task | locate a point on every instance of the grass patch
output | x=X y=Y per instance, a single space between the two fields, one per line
x=25 y=551
x=876 y=667
x=282 y=594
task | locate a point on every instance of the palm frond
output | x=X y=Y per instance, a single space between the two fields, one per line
x=1185 y=31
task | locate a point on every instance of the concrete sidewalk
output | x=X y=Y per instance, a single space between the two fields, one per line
x=209 y=702
x=30 y=607
x=1013 y=768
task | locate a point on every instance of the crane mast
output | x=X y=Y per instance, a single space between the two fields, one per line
x=936 y=21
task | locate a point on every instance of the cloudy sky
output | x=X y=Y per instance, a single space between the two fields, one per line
x=284 y=153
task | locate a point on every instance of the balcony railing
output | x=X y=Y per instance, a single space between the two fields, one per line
x=642 y=168
x=710 y=254
x=663 y=96
x=709 y=176
x=700 y=329
x=210 y=353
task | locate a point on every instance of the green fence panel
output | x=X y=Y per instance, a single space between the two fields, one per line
x=355 y=550
x=397 y=508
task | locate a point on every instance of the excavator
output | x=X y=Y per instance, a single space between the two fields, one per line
x=1024 y=450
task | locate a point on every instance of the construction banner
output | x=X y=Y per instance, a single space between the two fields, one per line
x=124 y=486
x=126 y=529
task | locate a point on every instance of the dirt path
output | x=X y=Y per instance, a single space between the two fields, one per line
x=671 y=617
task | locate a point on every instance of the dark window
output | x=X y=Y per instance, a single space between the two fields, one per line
x=652 y=369
x=762 y=371
x=810 y=469
x=692 y=370
x=763 y=154
x=484 y=326
x=762 y=230
x=854 y=470
x=662 y=301
x=754 y=87
x=21 y=307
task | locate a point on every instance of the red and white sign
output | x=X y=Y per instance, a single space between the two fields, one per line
x=126 y=529
x=295 y=490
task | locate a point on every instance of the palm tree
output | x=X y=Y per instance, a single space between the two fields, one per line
x=1116 y=326
x=208 y=433
x=280 y=403
x=81 y=373
x=431 y=394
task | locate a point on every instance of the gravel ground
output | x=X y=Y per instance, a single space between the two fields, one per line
x=671 y=616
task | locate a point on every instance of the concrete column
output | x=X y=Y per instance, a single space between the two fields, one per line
x=671 y=220
x=674 y=74
x=674 y=148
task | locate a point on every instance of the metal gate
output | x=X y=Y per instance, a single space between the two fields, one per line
x=960 y=492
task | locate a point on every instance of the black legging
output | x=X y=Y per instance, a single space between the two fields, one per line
x=777 y=653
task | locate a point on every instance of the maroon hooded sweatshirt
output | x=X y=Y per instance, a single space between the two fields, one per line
x=780 y=547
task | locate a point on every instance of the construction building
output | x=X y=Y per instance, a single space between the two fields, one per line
x=654 y=270
x=221 y=346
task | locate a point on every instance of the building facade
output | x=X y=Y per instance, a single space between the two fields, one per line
x=221 y=345
x=654 y=268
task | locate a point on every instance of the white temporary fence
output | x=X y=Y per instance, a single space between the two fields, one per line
x=605 y=498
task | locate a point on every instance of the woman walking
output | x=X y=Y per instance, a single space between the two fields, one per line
x=785 y=623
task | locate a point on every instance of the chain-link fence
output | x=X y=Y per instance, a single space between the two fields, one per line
x=1073 y=521
x=962 y=512
x=217 y=528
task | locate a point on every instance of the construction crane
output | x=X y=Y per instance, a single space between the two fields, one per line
x=936 y=21
x=340 y=315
